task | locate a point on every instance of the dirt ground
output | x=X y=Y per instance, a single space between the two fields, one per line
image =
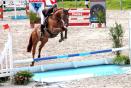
x=80 y=39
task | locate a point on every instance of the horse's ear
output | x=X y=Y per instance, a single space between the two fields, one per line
x=68 y=9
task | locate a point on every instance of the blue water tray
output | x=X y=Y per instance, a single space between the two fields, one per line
x=72 y=74
x=19 y=17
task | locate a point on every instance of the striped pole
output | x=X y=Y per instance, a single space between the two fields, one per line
x=81 y=54
x=70 y=55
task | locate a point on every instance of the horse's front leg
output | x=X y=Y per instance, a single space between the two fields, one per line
x=41 y=46
x=61 y=37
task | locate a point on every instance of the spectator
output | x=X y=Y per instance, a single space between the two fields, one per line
x=1 y=3
x=4 y=2
x=87 y=3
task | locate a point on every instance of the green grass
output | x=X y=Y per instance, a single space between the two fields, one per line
x=110 y=4
x=115 y=4
x=72 y=4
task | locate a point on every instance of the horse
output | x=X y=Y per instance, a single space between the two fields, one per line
x=56 y=23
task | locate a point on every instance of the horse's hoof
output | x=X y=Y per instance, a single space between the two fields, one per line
x=60 y=40
x=32 y=64
x=39 y=56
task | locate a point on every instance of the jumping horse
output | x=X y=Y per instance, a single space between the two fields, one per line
x=56 y=23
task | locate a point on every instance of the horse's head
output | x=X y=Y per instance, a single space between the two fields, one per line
x=63 y=15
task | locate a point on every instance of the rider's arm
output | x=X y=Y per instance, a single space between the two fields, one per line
x=50 y=10
x=44 y=12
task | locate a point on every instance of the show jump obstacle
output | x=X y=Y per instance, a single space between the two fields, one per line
x=1 y=13
x=6 y=59
x=7 y=69
x=79 y=17
x=14 y=4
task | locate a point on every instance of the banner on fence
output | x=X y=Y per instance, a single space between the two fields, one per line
x=1 y=13
x=97 y=6
x=79 y=17
x=37 y=6
x=12 y=2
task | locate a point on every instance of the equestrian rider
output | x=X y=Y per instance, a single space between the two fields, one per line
x=1 y=4
x=45 y=14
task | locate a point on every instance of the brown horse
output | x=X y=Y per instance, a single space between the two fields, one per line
x=56 y=23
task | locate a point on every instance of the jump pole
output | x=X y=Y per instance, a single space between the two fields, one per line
x=15 y=9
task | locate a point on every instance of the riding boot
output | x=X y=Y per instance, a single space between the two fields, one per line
x=42 y=30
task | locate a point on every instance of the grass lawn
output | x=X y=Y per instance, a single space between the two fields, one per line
x=110 y=4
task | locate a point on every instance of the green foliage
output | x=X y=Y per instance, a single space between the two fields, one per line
x=22 y=77
x=121 y=59
x=117 y=36
x=71 y=4
x=110 y=4
x=115 y=4
x=101 y=16
x=4 y=79
x=33 y=17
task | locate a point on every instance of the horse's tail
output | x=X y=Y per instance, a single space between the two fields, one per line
x=30 y=44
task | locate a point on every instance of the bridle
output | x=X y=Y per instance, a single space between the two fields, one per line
x=63 y=17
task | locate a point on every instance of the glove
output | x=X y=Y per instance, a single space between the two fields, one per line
x=54 y=6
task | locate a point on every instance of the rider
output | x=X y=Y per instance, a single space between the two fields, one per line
x=45 y=14
x=1 y=4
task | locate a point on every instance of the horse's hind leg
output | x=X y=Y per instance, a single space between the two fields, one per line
x=61 y=37
x=33 y=53
x=41 y=45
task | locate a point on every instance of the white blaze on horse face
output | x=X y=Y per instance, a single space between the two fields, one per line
x=64 y=24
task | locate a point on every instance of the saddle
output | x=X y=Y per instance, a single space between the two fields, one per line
x=45 y=28
x=46 y=21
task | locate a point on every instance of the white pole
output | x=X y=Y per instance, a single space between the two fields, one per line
x=63 y=3
x=10 y=52
x=15 y=11
x=121 y=4
x=10 y=49
x=15 y=8
x=130 y=37
x=76 y=3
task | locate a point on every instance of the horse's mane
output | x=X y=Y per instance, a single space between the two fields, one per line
x=58 y=9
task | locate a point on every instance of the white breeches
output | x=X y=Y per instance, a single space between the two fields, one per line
x=86 y=2
x=42 y=18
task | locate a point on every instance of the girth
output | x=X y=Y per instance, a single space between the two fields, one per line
x=50 y=33
x=47 y=30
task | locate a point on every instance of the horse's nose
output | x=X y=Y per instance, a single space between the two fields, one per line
x=67 y=24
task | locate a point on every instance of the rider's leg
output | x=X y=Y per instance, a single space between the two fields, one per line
x=42 y=23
